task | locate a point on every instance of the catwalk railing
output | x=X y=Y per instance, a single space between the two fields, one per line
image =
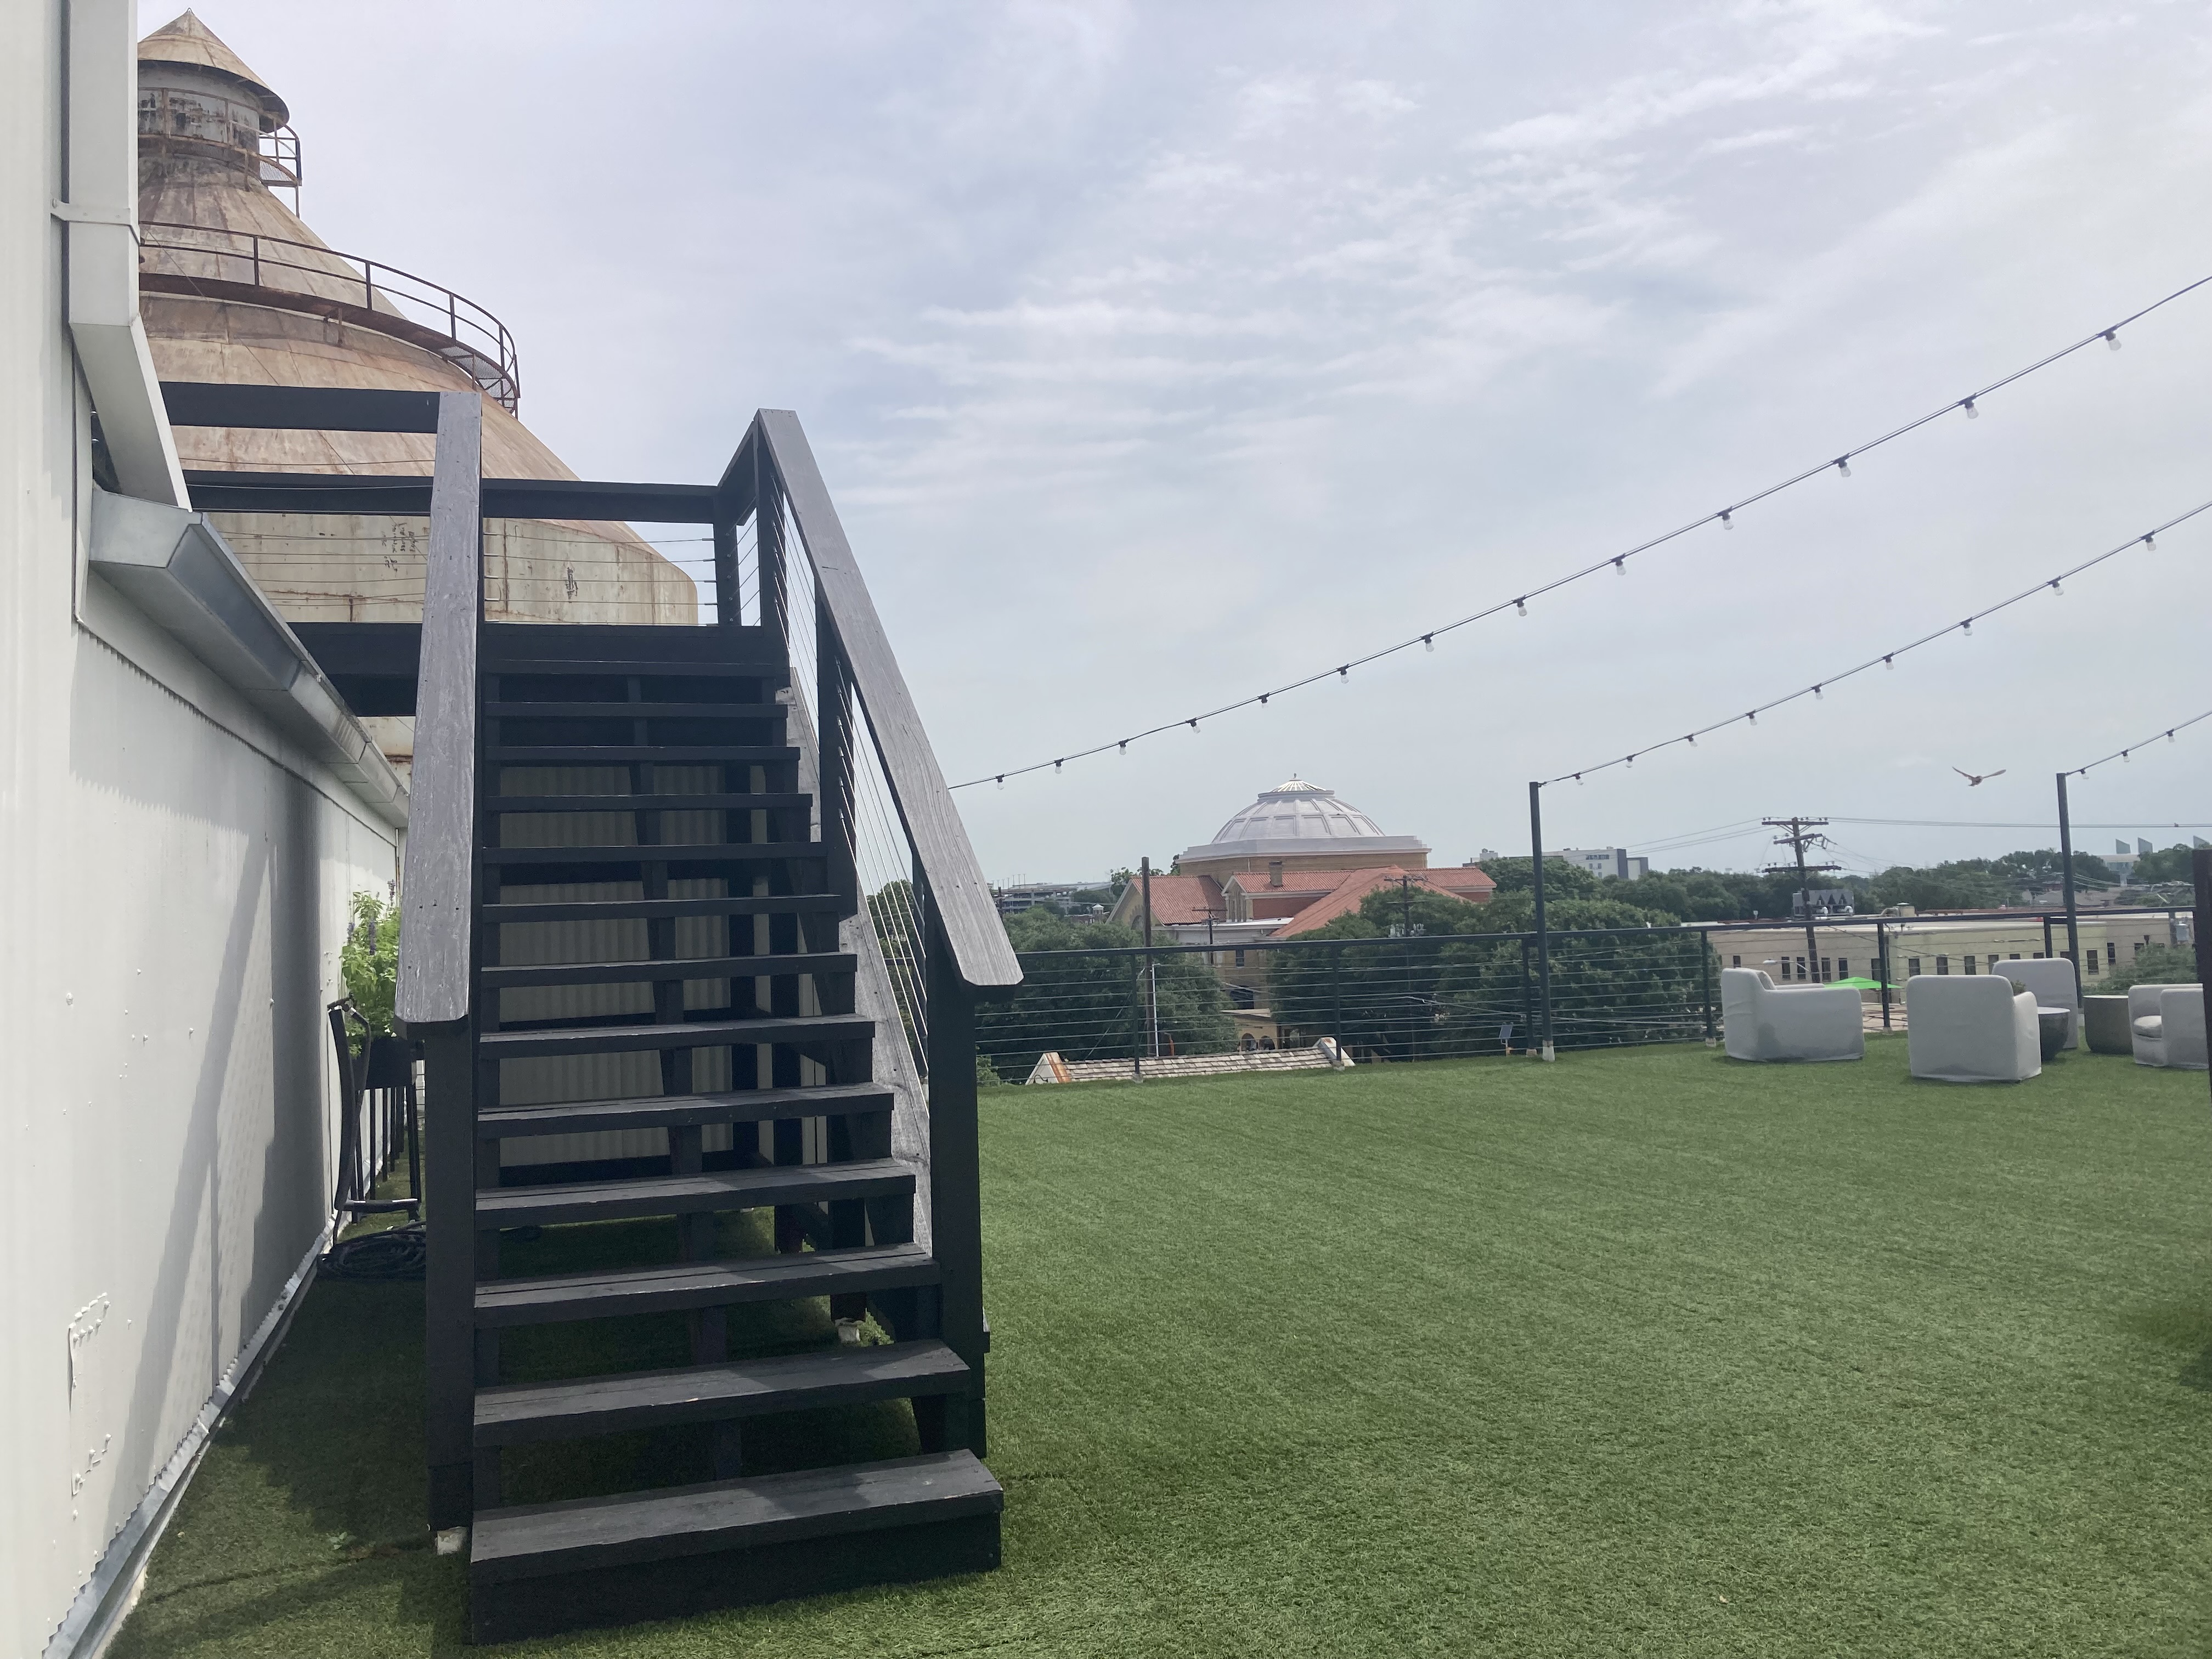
x=1447 y=996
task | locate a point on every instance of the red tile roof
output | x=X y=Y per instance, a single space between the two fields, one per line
x=1176 y=900
x=1358 y=884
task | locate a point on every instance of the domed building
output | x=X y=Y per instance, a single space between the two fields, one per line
x=1293 y=860
x=236 y=290
x=1299 y=826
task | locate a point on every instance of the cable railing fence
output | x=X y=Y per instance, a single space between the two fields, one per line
x=1133 y=1011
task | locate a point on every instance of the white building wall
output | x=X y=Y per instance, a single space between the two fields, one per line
x=175 y=873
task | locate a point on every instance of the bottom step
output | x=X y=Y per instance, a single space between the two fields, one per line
x=535 y=1570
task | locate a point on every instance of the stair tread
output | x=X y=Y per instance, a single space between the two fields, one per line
x=689 y=852
x=689 y=1034
x=542 y=1540
x=736 y=905
x=666 y=1111
x=585 y=668
x=667 y=968
x=513 y=1412
x=624 y=754
x=686 y=1195
x=685 y=1285
x=741 y=802
x=554 y=708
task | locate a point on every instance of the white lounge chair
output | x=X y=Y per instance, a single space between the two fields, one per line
x=1970 y=1028
x=2055 y=984
x=1761 y=1020
x=2168 y=1022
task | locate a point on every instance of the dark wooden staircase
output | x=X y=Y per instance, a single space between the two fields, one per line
x=663 y=1064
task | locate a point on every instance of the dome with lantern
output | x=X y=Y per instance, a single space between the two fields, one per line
x=1305 y=823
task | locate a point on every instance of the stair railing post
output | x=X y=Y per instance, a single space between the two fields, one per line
x=2066 y=879
x=438 y=906
x=1882 y=967
x=954 y=1185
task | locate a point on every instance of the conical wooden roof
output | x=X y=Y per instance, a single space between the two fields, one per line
x=185 y=39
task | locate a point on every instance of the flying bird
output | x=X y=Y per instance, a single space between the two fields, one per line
x=1974 y=782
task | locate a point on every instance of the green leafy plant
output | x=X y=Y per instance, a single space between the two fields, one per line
x=369 y=960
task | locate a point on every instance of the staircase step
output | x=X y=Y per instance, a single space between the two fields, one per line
x=691 y=1034
x=690 y=1194
x=724 y=852
x=516 y=1413
x=536 y=1569
x=504 y=804
x=680 y=1286
x=766 y=904
x=552 y=708
x=664 y=969
x=769 y=674
x=683 y=1111
x=628 y=754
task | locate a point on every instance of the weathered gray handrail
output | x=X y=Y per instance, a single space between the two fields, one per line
x=436 y=896
x=968 y=914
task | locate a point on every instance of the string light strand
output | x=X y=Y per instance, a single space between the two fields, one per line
x=2122 y=754
x=1725 y=517
x=1888 y=657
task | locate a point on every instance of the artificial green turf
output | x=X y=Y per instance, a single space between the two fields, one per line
x=1644 y=1352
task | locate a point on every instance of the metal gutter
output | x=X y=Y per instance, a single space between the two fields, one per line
x=176 y=566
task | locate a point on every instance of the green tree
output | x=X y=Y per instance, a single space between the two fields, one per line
x=1963 y=884
x=2045 y=867
x=2154 y=964
x=2167 y=864
x=1561 y=878
x=369 y=961
x=1091 y=1007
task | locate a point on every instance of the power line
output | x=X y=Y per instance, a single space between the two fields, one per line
x=1888 y=659
x=1962 y=823
x=2122 y=754
x=1840 y=465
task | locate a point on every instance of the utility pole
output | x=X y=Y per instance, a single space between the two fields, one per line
x=1799 y=833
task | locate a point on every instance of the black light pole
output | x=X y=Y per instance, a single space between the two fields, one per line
x=1151 y=980
x=1543 y=938
x=2200 y=931
x=2066 y=879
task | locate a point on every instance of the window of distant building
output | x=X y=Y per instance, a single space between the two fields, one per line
x=1735 y=962
x=1943 y=964
x=1240 y=958
x=1827 y=970
x=2112 y=955
x=1843 y=967
x=1911 y=966
x=1801 y=968
x=1970 y=964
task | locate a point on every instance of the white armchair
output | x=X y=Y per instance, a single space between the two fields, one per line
x=1761 y=1020
x=1970 y=1028
x=2168 y=1022
x=2053 y=982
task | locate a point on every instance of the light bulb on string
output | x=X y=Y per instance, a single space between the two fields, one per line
x=1889 y=663
x=1967 y=626
x=2150 y=543
x=1344 y=675
x=1844 y=465
x=2112 y=338
x=1972 y=413
x=1578 y=777
x=2055 y=589
x=1817 y=697
x=1057 y=764
x=1620 y=565
x=1521 y=605
x=1728 y=519
x=1752 y=714
x=1194 y=726
x=1125 y=746
x=1630 y=762
x=1002 y=779
x=1428 y=642
x=1264 y=695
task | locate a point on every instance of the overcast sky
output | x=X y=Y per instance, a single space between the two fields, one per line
x=1158 y=354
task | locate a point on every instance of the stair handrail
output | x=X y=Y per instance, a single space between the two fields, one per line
x=438 y=880
x=959 y=894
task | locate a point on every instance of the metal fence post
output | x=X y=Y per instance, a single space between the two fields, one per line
x=1882 y=966
x=1543 y=938
x=1705 y=981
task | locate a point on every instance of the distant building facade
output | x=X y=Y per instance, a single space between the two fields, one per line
x=1603 y=861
